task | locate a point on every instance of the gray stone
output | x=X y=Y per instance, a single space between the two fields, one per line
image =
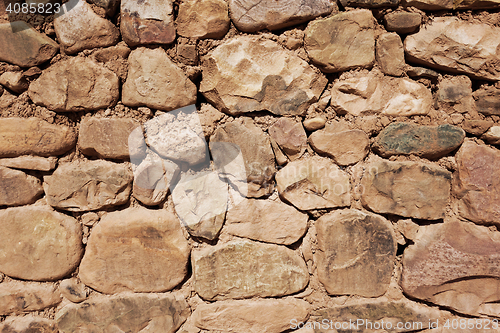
x=18 y=188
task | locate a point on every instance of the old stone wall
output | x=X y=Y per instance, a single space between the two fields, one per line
x=249 y=166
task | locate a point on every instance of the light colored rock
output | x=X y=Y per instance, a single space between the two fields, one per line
x=250 y=73
x=436 y=45
x=75 y=84
x=455 y=94
x=28 y=325
x=487 y=100
x=38 y=244
x=344 y=147
x=28 y=162
x=155 y=81
x=390 y=54
x=203 y=19
x=73 y=290
x=270 y=316
x=290 y=137
x=14 y=81
x=410 y=189
x=314 y=124
x=17 y=297
x=402 y=22
x=314 y=183
x=88 y=185
x=342 y=41
x=137 y=250
x=492 y=136
x=244 y=269
x=18 y=188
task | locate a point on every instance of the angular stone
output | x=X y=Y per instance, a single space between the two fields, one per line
x=409 y=189
x=24 y=46
x=78 y=28
x=88 y=185
x=476 y=127
x=18 y=188
x=492 y=136
x=253 y=15
x=436 y=45
x=23 y=136
x=132 y=313
x=342 y=41
x=290 y=137
x=155 y=81
x=244 y=269
x=148 y=22
x=270 y=316
x=28 y=325
x=375 y=94
x=17 y=297
x=76 y=84
x=266 y=221
x=390 y=54
x=488 y=100
x=14 y=81
x=402 y=22
x=106 y=138
x=455 y=94
x=344 y=147
x=356 y=253
x=454 y=265
x=137 y=250
x=203 y=19
x=249 y=73
x=73 y=290
x=38 y=244
x=28 y=162
x=431 y=142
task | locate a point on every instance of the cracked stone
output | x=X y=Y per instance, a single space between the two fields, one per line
x=203 y=19
x=18 y=188
x=18 y=297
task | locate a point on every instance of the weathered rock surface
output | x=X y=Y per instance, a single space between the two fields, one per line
x=253 y=15
x=17 y=297
x=342 y=41
x=203 y=19
x=369 y=3
x=271 y=316
x=356 y=253
x=110 y=6
x=150 y=22
x=88 y=185
x=453 y=4
x=28 y=325
x=28 y=162
x=455 y=94
x=416 y=72
x=73 y=290
x=487 y=100
x=24 y=46
x=436 y=45
x=313 y=183
x=266 y=221
x=455 y=265
x=14 y=81
x=132 y=313
x=409 y=189
x=244 y=269
x=38 y=244
x=375 y=94
x=23 y=136
x=402 y=22
x=426 y=141
x=249 y=73
x=135 y=250
x=290 y=138
x=18 y=188
x=492 y=136
x=155 y=81
x=476 y=127
x=76 y=84
x=390 y=54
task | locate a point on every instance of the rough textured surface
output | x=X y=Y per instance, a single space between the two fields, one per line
x=18 y=297
x=18 y=188
x=244 y=269
x=369 y=3
x=476 y=127
x=390 y=54
x=453 y=4
x=73 y=290
x=28 y=325
x=156 y=252
x=203 y=19
x=455 y=94
x=492 y=136
x=28 y=162
x=488 y=100
x=14 y=81
x=402 y=22
x=289 y=138
x=38 y=244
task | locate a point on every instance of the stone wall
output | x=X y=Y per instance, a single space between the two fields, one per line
x=250 y=166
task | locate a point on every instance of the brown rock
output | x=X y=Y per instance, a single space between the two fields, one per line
x=88 y=185
x=14 y=81
x=390 y=54
x=450 y=4
x=314 y=124
x=73 y=290
x=476 y=127
x=290 y=137
x=18 y=297
x=28 y=162
x=455 y=94
x=492 y=136
x=28 y=325
x=422 y=72
x=244 y=269
x=369 y=3
x=38 y=244
x=402 y=22
x=18 y=188
x=110 y=6
x=487 y=100
x=203 y=19
x=156 y=252
x=344 y=147
x=119 y=51
x=409 y=189
x=22 y=136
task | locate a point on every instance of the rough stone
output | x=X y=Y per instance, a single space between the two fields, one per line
x=14 y=81
x=402 y=22
x=24 y=46
x=28 y=325
x=455 y=94
x=17 y=297
x=156 y=252
x=487 y=100
x=431 y=142
x=250 y=73
x=289 y=137
x=453 y=4
x=410 y=189
x=73 y=290
x=476 y=127
x=422 y=72
x=356 y=253
x=28 y=162
x=23 y=136
x=134 y=313
x=492 y=136
x=266 y=221
x=38 y=244
x=150 y=22
x=344 y=147
x=270 y=316
x=110 y=6
x=244 y=269
x=88 y=185
x=342 y=41
x=436 y=45
x=314 y=124
x=369 y=3
x=18 y=188
x=314 y=183
x=390 y=54
x=119 y=51
x=76 y=84
x=155 y=81
x=203 y=19
x=253 y=15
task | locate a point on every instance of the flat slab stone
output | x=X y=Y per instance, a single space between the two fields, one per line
x=390 y=54
x=28 y=162
x=38 y=244
x=28 y=324
x=410 y=189
x=249 y=73
x=137 y=250
x=203 y=19
x=402 y=22
x=244 y=269
x=487 y=100
x=23 y=136
x=18 y=297
x=289 y=137
x=344 y=147
x=18 y=188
